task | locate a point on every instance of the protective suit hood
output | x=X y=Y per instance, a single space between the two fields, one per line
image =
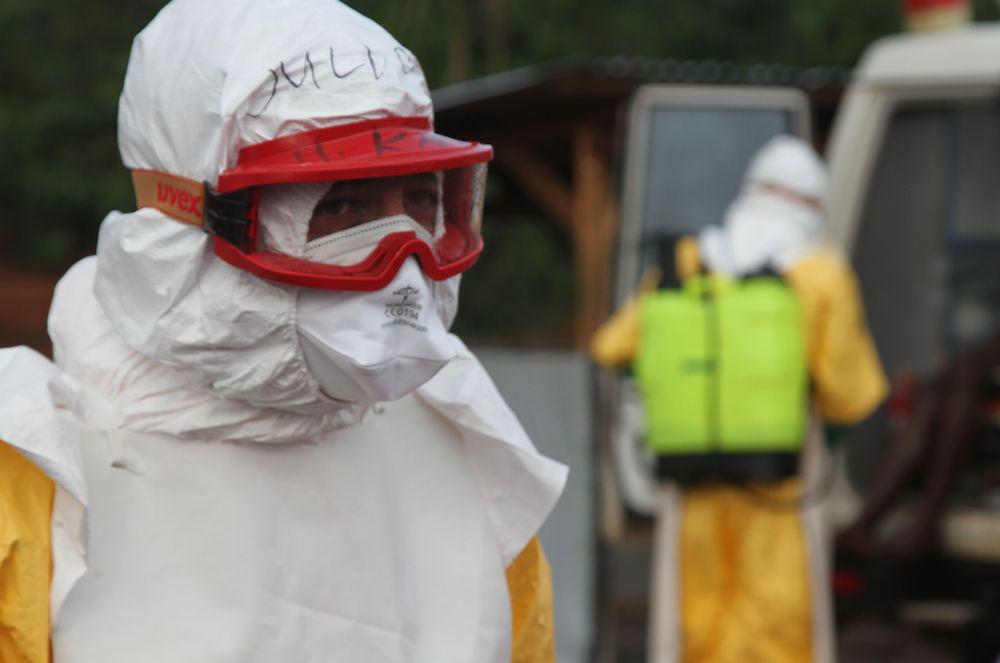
x=771 y=224
x=326 y=65
x=791 y=163
x=157 y=279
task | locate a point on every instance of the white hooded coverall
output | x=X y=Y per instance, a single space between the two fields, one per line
x=213 y=504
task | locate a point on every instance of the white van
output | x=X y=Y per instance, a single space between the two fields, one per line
x=915 y=198
x=915 y=189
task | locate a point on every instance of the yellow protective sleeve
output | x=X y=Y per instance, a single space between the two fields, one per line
x=744 y=576
x=529 y=581
x=846 y=372
x=616 y=342
x=26 y=496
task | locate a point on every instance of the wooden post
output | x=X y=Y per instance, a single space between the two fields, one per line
x=586 y=209
x=594 y=225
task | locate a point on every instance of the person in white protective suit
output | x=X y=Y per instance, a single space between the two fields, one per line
x=740 y=569
x=262 y=442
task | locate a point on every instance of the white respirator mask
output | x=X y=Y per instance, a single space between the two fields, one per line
x=366 y=347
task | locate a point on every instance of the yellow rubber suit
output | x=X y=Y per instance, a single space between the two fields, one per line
x=745 y=589
x=26 y=496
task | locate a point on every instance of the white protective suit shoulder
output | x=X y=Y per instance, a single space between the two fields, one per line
x=235 y=512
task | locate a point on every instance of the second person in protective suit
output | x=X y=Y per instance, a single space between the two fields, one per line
x=278 y=450
x=740 y=567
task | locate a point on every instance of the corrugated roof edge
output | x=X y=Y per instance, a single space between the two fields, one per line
x=506 y=82
x=639 y=69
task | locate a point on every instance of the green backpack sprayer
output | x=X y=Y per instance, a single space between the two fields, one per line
x=722 y=369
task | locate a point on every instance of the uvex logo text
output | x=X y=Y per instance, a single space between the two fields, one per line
x=178 y=198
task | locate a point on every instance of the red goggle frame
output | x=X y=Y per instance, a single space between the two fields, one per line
x=368 y=149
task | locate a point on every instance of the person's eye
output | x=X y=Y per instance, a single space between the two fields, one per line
x=338 y=206
x=337 y=212
x=422 y=198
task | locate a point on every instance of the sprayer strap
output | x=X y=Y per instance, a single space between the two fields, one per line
x=177 y=197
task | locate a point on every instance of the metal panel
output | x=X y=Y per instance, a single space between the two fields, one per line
x=550 y=391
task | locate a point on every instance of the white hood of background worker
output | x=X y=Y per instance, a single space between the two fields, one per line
x=253 y=492
x=777 y=217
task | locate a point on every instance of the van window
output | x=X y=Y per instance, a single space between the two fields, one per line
x=928 y=245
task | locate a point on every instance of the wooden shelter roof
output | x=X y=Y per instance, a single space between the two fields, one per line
x=571 y=87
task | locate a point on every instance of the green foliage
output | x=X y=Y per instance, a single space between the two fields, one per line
x=522 y=284
x=62 y=65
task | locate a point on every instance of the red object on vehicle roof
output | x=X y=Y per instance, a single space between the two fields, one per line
x=925 y=15
x=917 y=5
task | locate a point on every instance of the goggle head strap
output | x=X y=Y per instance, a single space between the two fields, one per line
x=229 y=216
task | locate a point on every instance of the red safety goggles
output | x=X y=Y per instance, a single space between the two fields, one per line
x=431 y=185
